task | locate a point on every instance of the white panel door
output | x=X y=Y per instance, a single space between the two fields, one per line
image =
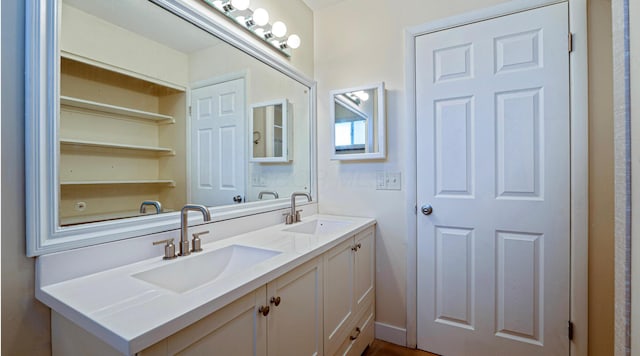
x=493 y=162
x=218 y=144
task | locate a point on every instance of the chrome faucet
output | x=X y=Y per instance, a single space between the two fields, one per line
x=294 y=215
x=184 y=225
x=266 y=192
x=156 y=204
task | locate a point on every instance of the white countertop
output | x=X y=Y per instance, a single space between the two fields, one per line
x=130 y=314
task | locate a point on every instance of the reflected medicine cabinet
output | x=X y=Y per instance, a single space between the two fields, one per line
x=271 y=131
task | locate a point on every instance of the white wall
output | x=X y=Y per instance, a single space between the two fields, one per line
x=25 y=322
x=634 y=38
x=355 y=47
x=362 y=42
x=91 y=37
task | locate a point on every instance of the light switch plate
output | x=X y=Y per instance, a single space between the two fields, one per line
x=393 y=180
x=381 y=181
x=388 y=180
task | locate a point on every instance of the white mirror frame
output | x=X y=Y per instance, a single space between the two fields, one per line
x=42 y=107
x=287 y=133
x=381 y=124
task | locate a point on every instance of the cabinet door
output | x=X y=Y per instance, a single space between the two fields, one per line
x=338 y=294
x=237 y=329
x=364 y=267
x=295 y=321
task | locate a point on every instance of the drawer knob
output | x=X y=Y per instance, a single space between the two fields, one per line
x=264 y=310
x=355 y=334
x=275 y=301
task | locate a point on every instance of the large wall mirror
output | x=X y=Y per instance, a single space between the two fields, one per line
x=358 y=123
x=136 y=108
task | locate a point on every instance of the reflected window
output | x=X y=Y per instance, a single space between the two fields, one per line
x=351 y=135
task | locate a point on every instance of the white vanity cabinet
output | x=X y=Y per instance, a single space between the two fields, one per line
x=349 y=285
x=291 y=326
x=295 y=321
x=237 y=329
x=322 y=305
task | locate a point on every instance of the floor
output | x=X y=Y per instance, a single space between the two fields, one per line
x=382 y=348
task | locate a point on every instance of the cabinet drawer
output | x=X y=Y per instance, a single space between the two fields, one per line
x=365 y=325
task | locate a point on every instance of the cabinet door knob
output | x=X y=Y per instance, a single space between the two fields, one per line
x=264 y=310
x=275 y=301
x=355 y=334
x=354 y=248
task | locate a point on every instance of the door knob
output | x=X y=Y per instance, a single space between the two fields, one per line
x=427 y=209
x=237 y=199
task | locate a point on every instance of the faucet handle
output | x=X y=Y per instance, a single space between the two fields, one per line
x=288 y=218
x=169 y=248
x=196 y=243
x=298 y=218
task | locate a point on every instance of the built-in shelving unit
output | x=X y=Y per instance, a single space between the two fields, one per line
x=73 y=142
x=121 y=143
x=167 y=182
x=115 y=110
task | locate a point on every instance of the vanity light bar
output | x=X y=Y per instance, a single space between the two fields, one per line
x=257 y=22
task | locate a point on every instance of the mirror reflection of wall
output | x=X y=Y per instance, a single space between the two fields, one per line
x=126 y=120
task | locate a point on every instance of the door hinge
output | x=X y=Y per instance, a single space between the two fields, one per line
x=570 y=330
x=570 y=42
x=189 y=110
x=416 y=209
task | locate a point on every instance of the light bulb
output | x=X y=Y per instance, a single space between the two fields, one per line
x=279 y=29
x=275 y=43
x=259 y=32
x=362 y=95
x=240 y=4
x=240 y=19
x=218 y=4
x=261 y=17
x=293 y=41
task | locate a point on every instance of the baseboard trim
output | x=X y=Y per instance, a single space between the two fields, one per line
x=390 y=333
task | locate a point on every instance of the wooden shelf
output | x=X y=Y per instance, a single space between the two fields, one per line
x=167 y=182
x=73 y=142
x=118 y=110
x=74 y=220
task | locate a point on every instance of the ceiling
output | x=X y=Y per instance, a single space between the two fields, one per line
x=320 y=4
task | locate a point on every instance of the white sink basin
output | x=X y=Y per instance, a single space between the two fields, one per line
x=318 y=227
x=187 y=273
